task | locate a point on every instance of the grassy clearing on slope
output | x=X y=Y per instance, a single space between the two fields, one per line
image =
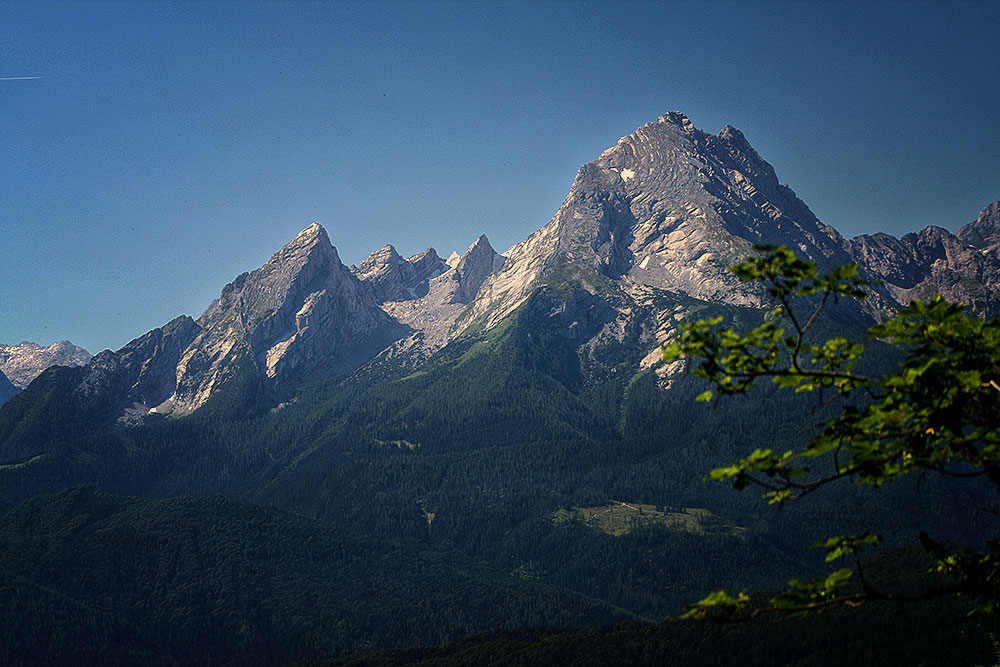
x=619 y=518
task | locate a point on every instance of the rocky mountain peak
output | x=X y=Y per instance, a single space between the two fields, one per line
x=315 y=232
x=311 y=244
x=25 y=361
x=301 y=316
x=677 y=118
x=433 y=314
x=984 y=231
x=480 y=248
x=428 y=260
x=961 y=267
x=670 y=207
x=379 y=261
x=389 y=277
x=478 y=262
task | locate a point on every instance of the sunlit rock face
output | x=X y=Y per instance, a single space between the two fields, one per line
x=302 y=316
x=25 y=361
x=142 y=374
x=433 y=316
x=670 y=207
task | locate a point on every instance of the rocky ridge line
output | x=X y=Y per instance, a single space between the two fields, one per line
x=665 y=211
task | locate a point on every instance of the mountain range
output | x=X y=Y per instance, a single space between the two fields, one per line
x=510 y=410
x=667 y=209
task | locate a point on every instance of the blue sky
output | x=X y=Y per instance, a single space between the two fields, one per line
x=170 y=146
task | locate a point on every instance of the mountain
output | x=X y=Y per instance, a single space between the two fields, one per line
x=665 y=211
x=433 y=315
x=392 y=278
x=669 y=207
x=22 y=363
x=300 y=317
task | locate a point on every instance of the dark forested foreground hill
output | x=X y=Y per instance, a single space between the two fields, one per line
x=90 y=578
x=938 y=633
x=884 y=636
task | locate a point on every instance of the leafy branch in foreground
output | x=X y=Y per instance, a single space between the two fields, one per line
x=939 y=412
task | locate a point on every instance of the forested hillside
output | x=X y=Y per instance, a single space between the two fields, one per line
x=511 y=448
x=91 y=578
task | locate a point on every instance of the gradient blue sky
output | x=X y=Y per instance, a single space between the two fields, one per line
x=171 y=146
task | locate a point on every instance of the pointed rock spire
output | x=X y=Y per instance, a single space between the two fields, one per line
x=478 y=262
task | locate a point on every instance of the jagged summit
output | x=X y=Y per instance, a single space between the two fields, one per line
x=478 y=262
x=677 y=118
x=964 y=266
x=311 y=242
x=668 y=206
x=984 y=231
x=432 y=316
x=313 y=231
x=389 y=277
x=301 y=316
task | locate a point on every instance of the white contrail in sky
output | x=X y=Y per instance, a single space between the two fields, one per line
x=20 y=78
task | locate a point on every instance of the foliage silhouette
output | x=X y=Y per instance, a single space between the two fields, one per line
x=938 y=412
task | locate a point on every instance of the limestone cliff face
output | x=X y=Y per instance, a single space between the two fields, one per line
x=22 y=363
x=670 y=207
x=962 y=267
x=140 y=375
x=389 y=277
x=433 y=315
x=300 y=317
